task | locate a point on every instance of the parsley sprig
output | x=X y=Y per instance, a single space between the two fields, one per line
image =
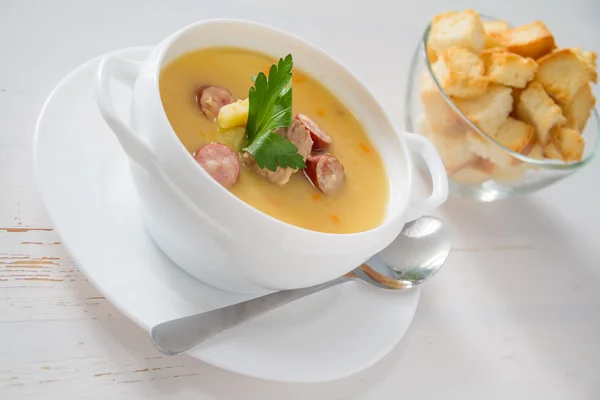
x=270 y=109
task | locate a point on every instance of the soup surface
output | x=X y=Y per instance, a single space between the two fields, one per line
x=360 y=203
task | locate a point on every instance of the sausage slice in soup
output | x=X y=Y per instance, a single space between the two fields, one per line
x=212 y=98
x=300 y=138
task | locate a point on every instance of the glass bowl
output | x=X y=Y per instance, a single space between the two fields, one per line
x=503 y=173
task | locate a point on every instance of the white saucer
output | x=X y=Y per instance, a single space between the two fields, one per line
x=85 y=184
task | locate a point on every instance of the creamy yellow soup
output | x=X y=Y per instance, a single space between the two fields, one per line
x=359 y=204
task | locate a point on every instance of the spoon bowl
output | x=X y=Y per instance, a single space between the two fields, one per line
x=424 y=247
x=411 y=259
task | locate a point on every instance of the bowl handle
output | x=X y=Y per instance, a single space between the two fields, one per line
x=439 y=194
x=136 y=147
x=125 y=71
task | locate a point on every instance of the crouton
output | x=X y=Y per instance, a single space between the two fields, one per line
x=590 y=58
x=478 y=171
x=489 y=110
x=495 y=27
x=431 y=55
x=497 y=49
x=512 y=134
x=551 y=151
x=532 y=40
x=437 y=110
x=536 y=108
x=516 y=95
x=510 y=174
x=490 y=42
x=453 y=151
x=492 y=31
x=563 y=72
x=471 y=175
x=509 y=69
x=536 y=152
x=460 y=73
x=531 y=143
x=578 y=111
x=487 y=150
x=568 y=142
x=440 y=115
x=422 y=126
x=461 y=29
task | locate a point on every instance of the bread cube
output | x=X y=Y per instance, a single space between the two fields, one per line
x=515 y=135
x=509 y=69
x=478 y=171
x=487 y=150
x=454 y=151
x=590 y=57
x=510 y=174
x=516 y=95
x=471 y=175
x=563 y=72
x=490 y=42
x=532 y=40
x=492 y=31
x=422 y=126
x=495 y=27
x=460 y=29
x=578 y=111
x=460 y=73
x=568 y=142
x=489 y=110
x=536 y=108
x=512 y=134
x=431 y=55
x=234 y=114
x=440 y=115
x=536 y=152
x=551 y=151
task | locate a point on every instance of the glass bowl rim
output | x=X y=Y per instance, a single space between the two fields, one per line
x=545 y=163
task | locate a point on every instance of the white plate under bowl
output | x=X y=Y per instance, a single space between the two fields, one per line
x=85 y=184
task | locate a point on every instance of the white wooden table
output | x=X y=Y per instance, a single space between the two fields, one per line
x=515 y=314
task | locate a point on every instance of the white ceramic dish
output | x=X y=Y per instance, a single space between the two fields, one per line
x=88 y=192
x=184 y=205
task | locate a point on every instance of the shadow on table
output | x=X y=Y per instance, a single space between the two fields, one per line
x=498 y=230
x=522 y=287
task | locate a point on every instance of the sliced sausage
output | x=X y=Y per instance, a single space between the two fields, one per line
x=296 y=134
x=300 y=137
x=321 y=140
x=325 y=172
x=212 y=98
x=220 y=162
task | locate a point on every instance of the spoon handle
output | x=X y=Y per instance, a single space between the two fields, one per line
x=180 y=335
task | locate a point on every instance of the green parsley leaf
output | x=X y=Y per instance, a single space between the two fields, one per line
x=270 y=109
x=273 y=150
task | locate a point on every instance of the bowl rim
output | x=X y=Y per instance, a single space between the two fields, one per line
x=546 y=163
x=393 y=218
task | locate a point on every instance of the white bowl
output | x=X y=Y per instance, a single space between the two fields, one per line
x=250 y=251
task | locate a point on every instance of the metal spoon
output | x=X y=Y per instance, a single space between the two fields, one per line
x=413 y=257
